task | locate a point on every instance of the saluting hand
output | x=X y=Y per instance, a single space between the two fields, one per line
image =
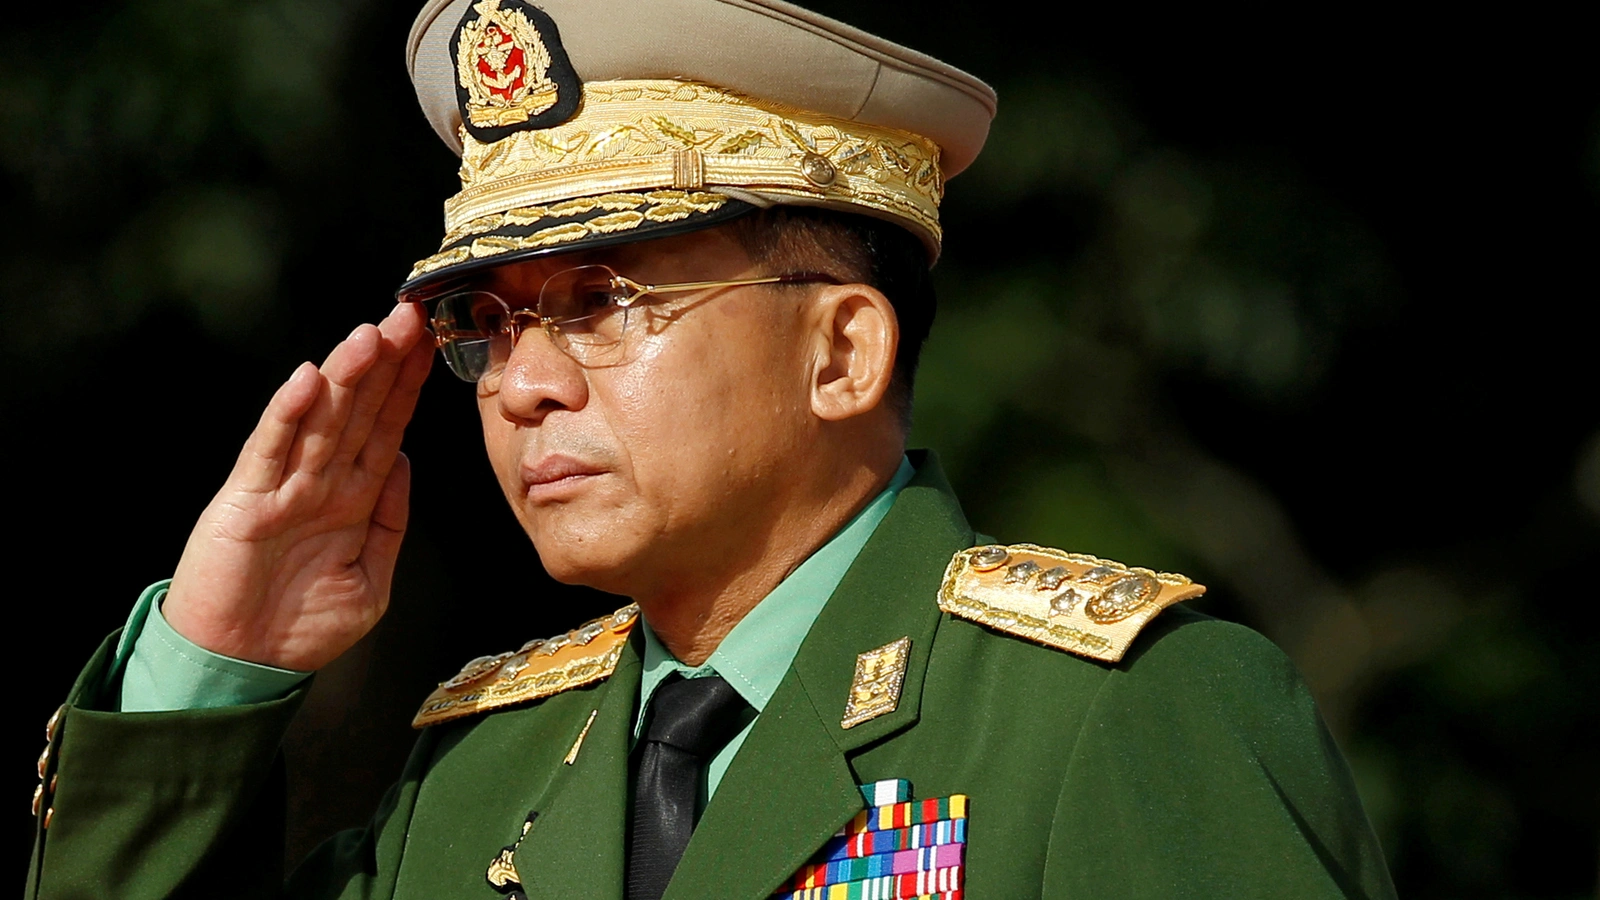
x=291 y=562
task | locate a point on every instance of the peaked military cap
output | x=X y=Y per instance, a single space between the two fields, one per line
x=583 y=123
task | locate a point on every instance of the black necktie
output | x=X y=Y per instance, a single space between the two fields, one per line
x=688 y=722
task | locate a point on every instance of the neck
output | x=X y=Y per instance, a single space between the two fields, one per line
x=692 y=612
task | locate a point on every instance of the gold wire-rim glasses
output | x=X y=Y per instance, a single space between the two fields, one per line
x=626 y=293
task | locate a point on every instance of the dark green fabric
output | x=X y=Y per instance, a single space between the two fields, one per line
x=156 y=804
x=1197 y=767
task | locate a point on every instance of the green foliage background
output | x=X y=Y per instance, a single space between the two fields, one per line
x=1291 y=305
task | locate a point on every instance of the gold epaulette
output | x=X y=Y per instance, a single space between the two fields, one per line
x=540 y=668
x=1071 y=601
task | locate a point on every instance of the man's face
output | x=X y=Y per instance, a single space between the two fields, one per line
x=667 y=459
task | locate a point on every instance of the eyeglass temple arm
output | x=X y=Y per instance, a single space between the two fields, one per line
x=641 y=290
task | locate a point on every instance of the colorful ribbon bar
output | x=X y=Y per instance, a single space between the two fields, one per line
x=940 y=883
x=898 y=849
x=904 y=862
x=869 y=843
x=883 y=793
x=902 y=815
x=823 y=892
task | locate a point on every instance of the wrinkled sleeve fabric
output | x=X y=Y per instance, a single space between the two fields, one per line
x=151 y=805
x=190 y=804
x=1203 y=769
x=160 y=670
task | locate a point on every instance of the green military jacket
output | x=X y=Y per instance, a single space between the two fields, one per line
x=1196 y=766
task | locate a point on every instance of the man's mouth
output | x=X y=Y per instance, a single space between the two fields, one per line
x=553 y=475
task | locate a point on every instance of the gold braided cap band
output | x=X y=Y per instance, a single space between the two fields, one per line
x=655 y=150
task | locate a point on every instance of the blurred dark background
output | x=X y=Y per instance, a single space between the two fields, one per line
x=1292 y=305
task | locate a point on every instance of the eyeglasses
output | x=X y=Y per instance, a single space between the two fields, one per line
x=583 y=309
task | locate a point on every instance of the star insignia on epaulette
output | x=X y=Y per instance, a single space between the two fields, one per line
x=1071 y=601
x=537 y=669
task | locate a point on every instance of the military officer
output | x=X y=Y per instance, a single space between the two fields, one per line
x=686 y=275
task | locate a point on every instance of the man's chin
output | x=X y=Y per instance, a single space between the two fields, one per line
x=582 y=571
x=586 y=556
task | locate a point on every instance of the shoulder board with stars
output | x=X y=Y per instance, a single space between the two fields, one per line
x=537 y=669
x=1071 y=601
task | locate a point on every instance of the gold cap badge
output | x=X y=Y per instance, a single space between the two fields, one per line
x=511 y=71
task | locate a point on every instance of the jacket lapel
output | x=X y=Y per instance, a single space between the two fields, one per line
x=575 y=848
x=791 y=786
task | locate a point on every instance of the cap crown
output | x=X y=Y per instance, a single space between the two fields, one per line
x=589 y=121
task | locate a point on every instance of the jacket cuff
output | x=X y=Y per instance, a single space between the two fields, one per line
x=166 y=671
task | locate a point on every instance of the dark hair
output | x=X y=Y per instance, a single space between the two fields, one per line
x=861 y=249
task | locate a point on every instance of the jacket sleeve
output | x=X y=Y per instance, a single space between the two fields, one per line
x=1203 y=769
x=181 y=804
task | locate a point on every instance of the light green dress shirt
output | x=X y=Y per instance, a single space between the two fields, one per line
x=757 y=652
x=163 y=670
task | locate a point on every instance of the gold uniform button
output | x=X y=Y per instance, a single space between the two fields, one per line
x=48 y=815
x=51 y=726
x=44 y=760
x=38 y=798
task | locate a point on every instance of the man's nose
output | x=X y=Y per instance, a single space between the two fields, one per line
x=539 y=378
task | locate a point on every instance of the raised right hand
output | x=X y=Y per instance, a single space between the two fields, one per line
x=291 y=562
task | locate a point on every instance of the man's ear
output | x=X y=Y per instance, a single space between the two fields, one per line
x=856 y=336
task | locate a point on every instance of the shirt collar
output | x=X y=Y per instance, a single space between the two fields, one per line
x=756 y=654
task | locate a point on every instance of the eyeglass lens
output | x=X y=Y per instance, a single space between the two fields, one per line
x=587 y=304
x=582 y=310
x=473 y=330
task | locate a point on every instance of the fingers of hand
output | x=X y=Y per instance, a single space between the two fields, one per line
x=399 y=333
x=372 y=377
x=390 y=426
x=393 y=507
x=406 y=324
x=354 y=356
x=266 y=452
x=387 y=527
x=324 y=425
